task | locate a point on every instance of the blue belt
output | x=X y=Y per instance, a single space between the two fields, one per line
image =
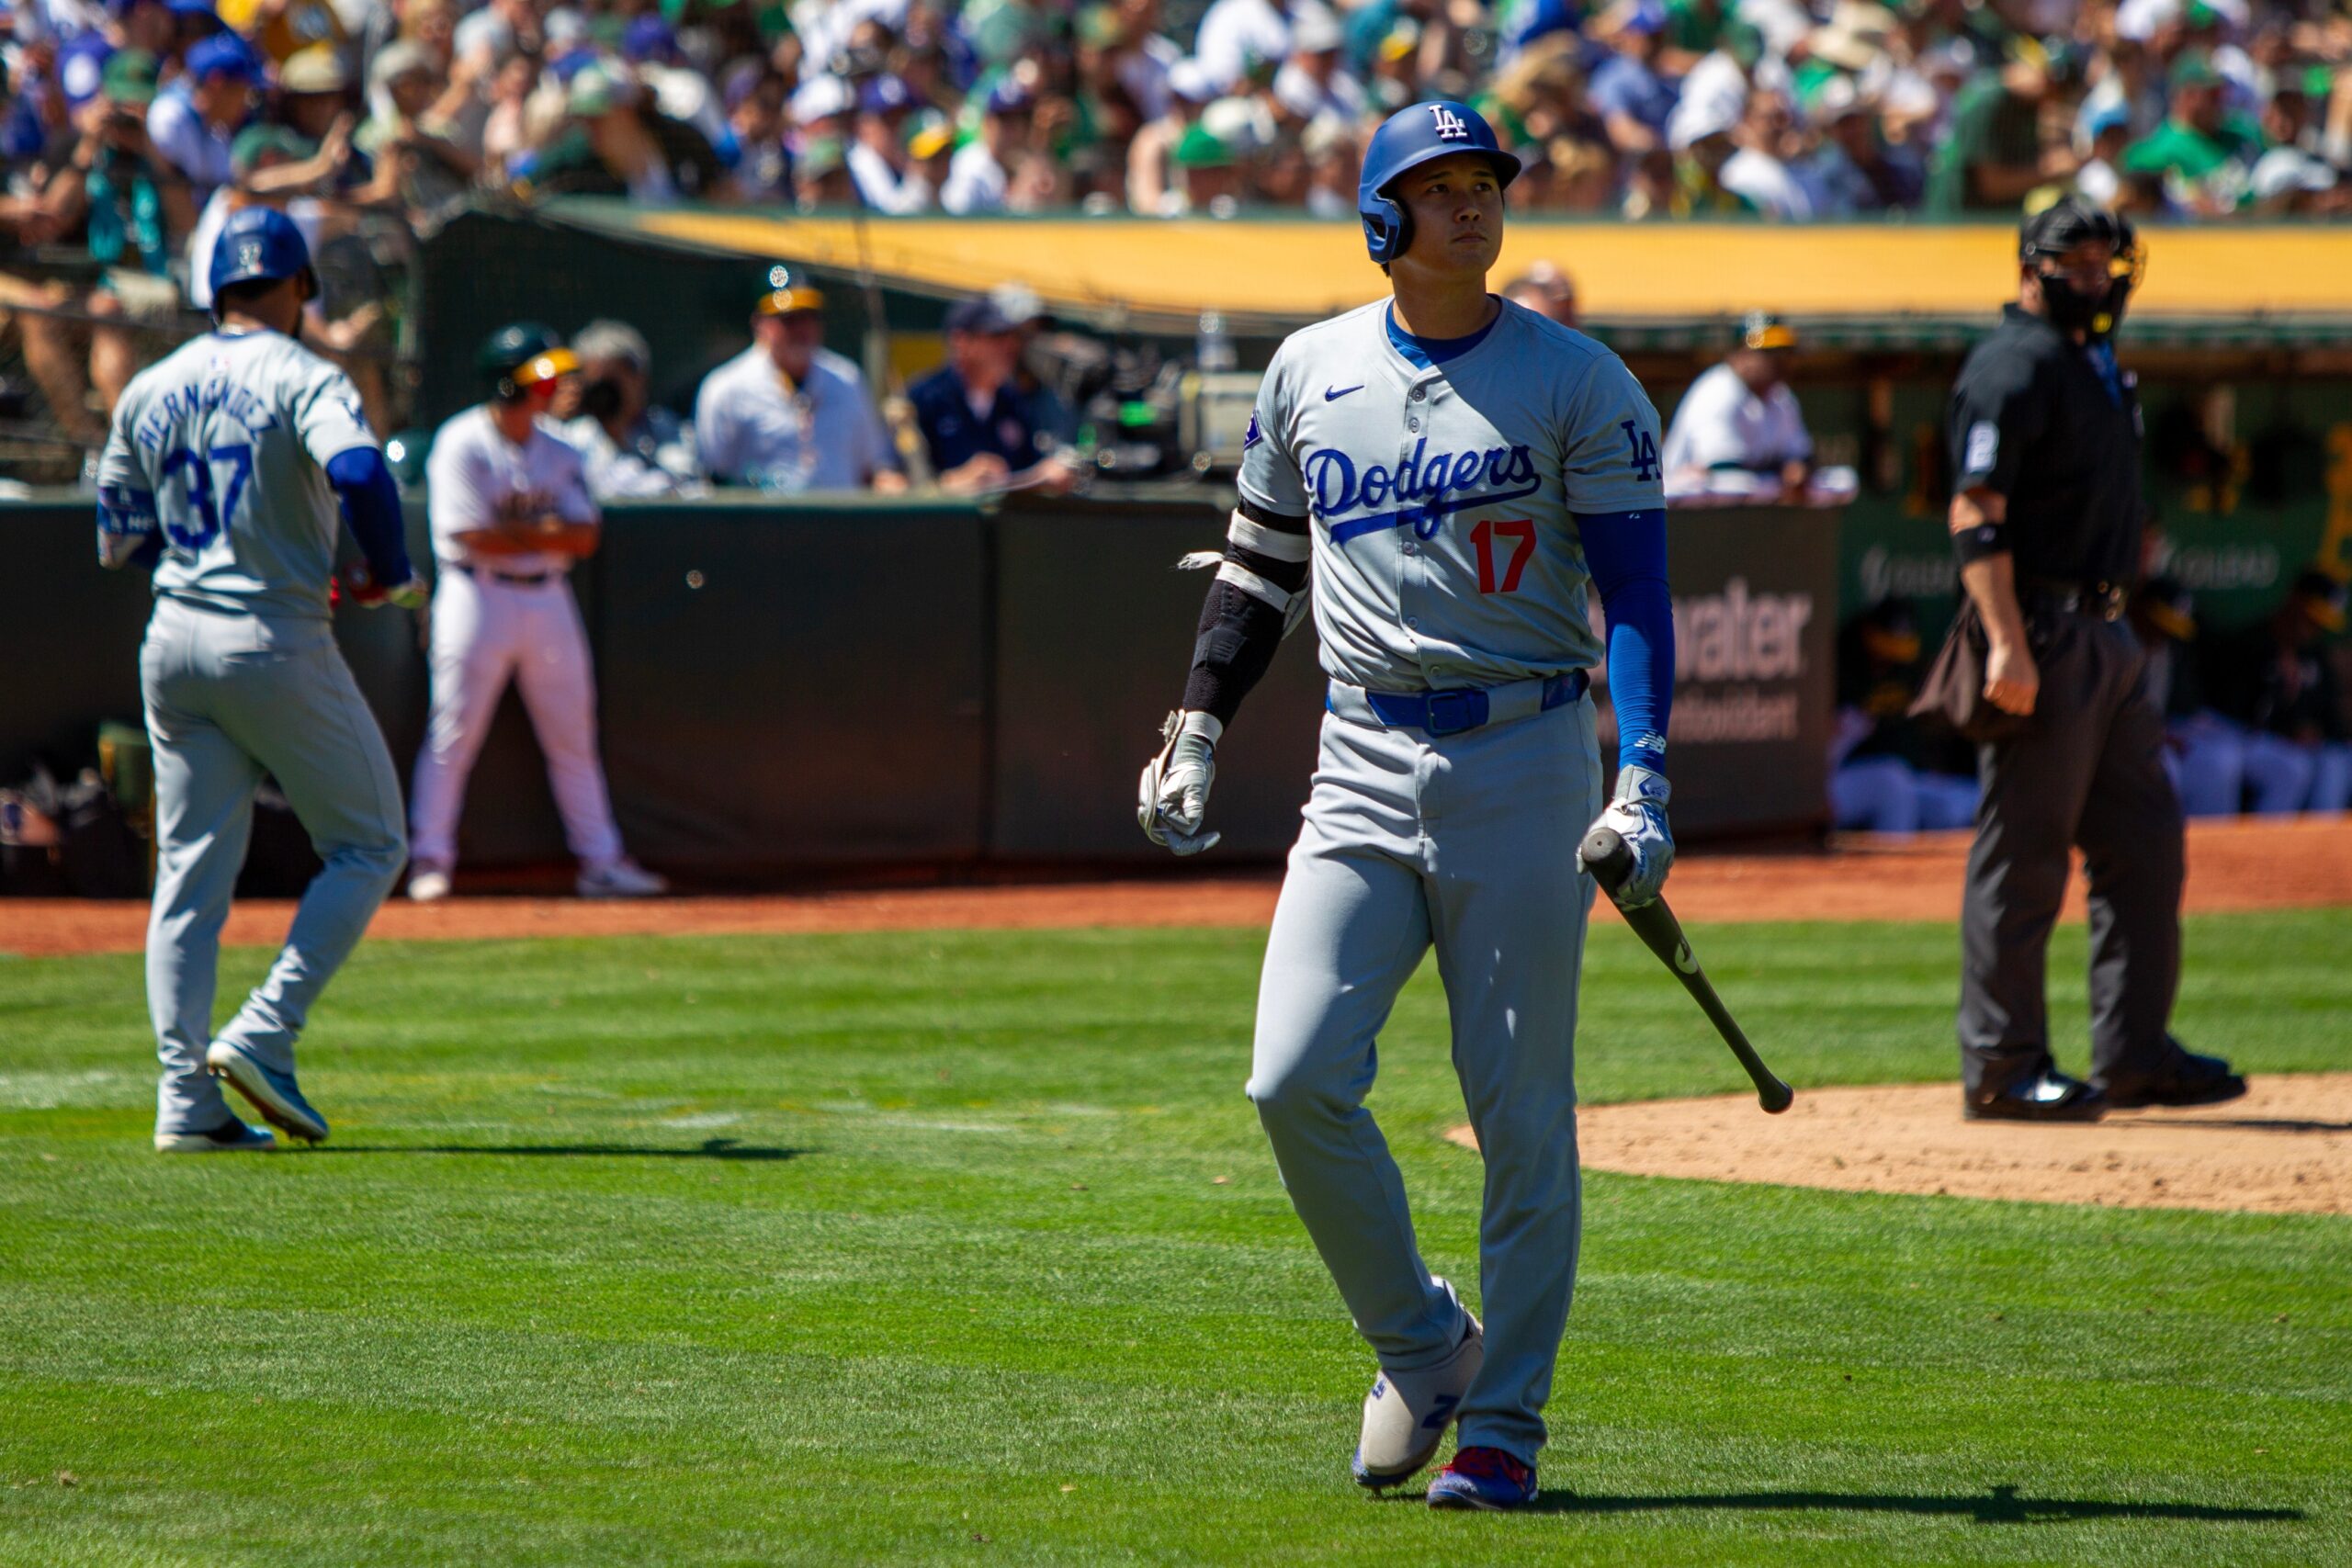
x=1452 y=712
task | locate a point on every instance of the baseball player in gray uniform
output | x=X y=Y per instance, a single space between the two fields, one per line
x=1455 y=474
x=225 y=467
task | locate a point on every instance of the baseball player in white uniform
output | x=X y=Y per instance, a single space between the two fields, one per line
x=509 y=505
x=225 y=468
x=1455 y=474
x=1741 y=415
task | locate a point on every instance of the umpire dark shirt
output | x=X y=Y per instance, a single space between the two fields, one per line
x=1012 y=428
x=2053 y=426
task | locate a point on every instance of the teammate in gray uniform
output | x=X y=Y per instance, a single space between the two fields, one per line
x=225 y=468
x=1454 y=472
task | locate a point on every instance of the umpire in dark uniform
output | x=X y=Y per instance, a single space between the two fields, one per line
x=2045 y=518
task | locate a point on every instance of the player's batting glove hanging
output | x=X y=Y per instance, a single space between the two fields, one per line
x=1637 y=813
x=1173 y=798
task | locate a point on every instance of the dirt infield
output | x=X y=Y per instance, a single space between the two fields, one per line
x=2277 y=864
x=2288 y=1147
x=2285 y=1148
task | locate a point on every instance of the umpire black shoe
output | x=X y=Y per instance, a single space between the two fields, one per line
x=2186 y=1080
x=2047 y=1095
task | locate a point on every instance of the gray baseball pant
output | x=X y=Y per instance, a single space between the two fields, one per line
x=1466 y=844
x=229 y=699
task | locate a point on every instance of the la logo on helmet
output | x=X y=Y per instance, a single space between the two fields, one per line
x=1451 y=127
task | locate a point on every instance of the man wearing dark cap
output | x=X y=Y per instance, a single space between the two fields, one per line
x=2046 y=521
x=976 y=176
x=878 y=160
x=195 y=121
x=787 y=413
x=2204 y=153
x=1741 y=419
x=982 y=431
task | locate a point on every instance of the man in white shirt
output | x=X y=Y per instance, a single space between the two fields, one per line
x=1741 y=416
x=632 y=446
x=878 y=161
x=787 y=413
x=195 y=121
x=1314 y=81
x=976 y=176
x=1234 y=33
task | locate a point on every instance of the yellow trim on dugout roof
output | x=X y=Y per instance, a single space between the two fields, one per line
x=1308 y=269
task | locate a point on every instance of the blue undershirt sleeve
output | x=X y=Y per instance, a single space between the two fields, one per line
x=1626 y=554
x=372 y=506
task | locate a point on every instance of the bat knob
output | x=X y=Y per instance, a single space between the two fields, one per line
x=1606 y=856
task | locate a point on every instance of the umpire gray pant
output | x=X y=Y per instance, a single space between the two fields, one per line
x=2086 y=773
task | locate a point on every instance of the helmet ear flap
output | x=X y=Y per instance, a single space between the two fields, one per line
x=1387 y=230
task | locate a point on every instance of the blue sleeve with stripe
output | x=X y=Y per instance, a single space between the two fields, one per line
x=1625 y=551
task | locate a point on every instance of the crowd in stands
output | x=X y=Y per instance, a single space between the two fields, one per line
x=1638 y=108
x=130 y=128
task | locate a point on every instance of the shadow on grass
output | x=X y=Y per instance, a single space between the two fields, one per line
x=1998 y=1506
x=710 y=1148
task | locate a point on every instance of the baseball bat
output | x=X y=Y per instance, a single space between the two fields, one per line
x=1605 y=854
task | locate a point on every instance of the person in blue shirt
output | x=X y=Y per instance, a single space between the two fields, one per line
x=1625 y=90
x=982 y=431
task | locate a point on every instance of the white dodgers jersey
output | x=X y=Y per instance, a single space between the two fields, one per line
x=1443 y=498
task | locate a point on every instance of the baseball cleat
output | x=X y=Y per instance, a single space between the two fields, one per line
x=1405 y=1413
x=231 y=1137
x=2049 y=1096
x=622 y=879
x=274 y=1094
x=2188 y=1079
x=428 y=884
x=1483 y=1478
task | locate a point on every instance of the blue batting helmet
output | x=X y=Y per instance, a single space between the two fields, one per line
x=1405 y=139
x=260 y=242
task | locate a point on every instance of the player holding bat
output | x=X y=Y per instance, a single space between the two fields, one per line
x=1456 y=474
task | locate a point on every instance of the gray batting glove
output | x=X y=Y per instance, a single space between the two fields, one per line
x=1172 y=797
x=1637 y=813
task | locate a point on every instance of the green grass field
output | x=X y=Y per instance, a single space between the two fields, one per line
x=966 y=1248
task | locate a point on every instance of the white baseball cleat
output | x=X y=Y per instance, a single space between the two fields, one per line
x=428 y=884
x=1406 y=1415
x=231 y=1137
x=622 y=879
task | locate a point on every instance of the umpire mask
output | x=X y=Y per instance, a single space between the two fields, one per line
x=2071 y=305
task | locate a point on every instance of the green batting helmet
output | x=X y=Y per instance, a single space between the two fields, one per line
x=521 y=355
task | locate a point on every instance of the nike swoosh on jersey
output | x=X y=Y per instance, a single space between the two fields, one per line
x=1332 y=394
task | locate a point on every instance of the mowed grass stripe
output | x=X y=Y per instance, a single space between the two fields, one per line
x=864 y=1248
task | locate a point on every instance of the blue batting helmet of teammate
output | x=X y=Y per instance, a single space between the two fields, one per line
x=260 y=242
x=1413 y=135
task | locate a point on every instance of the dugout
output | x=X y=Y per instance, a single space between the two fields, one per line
x=2241 y=336
x=790 y=686
x=846 y=684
